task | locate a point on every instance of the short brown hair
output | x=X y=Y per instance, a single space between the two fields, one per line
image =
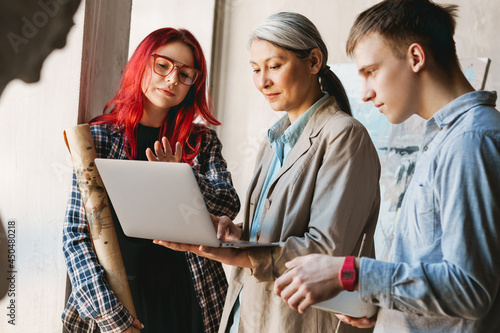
x=404 y=22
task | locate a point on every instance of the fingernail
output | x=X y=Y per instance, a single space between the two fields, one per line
x=142 y=325
x=364 y=321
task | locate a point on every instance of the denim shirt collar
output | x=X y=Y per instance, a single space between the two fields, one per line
x=453 y=110
x=290 y=133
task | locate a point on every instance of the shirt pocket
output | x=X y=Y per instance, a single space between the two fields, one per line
x=421 y=226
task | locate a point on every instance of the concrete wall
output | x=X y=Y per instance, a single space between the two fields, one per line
x=149 y=15
x=35 y=175
x=241 y=106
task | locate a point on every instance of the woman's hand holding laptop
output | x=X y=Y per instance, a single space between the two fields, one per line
x=225 y=229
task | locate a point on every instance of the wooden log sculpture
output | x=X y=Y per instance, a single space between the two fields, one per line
x=100 y=222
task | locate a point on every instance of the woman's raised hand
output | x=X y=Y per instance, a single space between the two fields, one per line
x=165 y=154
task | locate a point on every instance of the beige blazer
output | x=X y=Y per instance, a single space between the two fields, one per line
x=324 y=198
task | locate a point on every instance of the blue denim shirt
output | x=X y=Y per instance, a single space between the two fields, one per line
x=444 y=274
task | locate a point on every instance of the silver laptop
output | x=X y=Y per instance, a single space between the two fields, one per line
x=160 y=200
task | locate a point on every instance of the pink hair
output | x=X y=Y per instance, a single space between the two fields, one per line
x=178 y=126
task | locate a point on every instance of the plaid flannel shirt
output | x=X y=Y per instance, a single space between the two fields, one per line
x=92 y=306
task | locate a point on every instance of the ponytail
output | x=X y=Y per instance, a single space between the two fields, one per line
x=331 y=84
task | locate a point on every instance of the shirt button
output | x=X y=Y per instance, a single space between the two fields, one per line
x=268 y=203
x=425 y=148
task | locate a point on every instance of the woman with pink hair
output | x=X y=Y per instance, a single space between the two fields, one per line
x=160 y=114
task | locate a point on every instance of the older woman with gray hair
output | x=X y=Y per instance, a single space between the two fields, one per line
x=316 y=183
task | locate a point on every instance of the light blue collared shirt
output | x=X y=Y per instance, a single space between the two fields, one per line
x=444 y=274
x=282 y=138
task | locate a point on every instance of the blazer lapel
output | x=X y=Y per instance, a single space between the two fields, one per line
x=301 y=147
x=257 y=182
x=304 y=143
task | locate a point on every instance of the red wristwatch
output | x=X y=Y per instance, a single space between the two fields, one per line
x=347 y=274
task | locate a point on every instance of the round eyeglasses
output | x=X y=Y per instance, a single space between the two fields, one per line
x=164 y=66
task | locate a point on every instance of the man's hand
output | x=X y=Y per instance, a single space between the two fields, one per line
x=358 y=322
x=311 y=279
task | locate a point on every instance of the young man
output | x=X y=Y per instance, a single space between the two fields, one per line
x=444 y=274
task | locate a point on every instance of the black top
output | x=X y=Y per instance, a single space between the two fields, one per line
x=146 y=138
x=159 y=278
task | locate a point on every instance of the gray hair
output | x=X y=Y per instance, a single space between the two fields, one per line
x=296 y=33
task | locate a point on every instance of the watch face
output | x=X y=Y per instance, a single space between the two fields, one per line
x=347 y=274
